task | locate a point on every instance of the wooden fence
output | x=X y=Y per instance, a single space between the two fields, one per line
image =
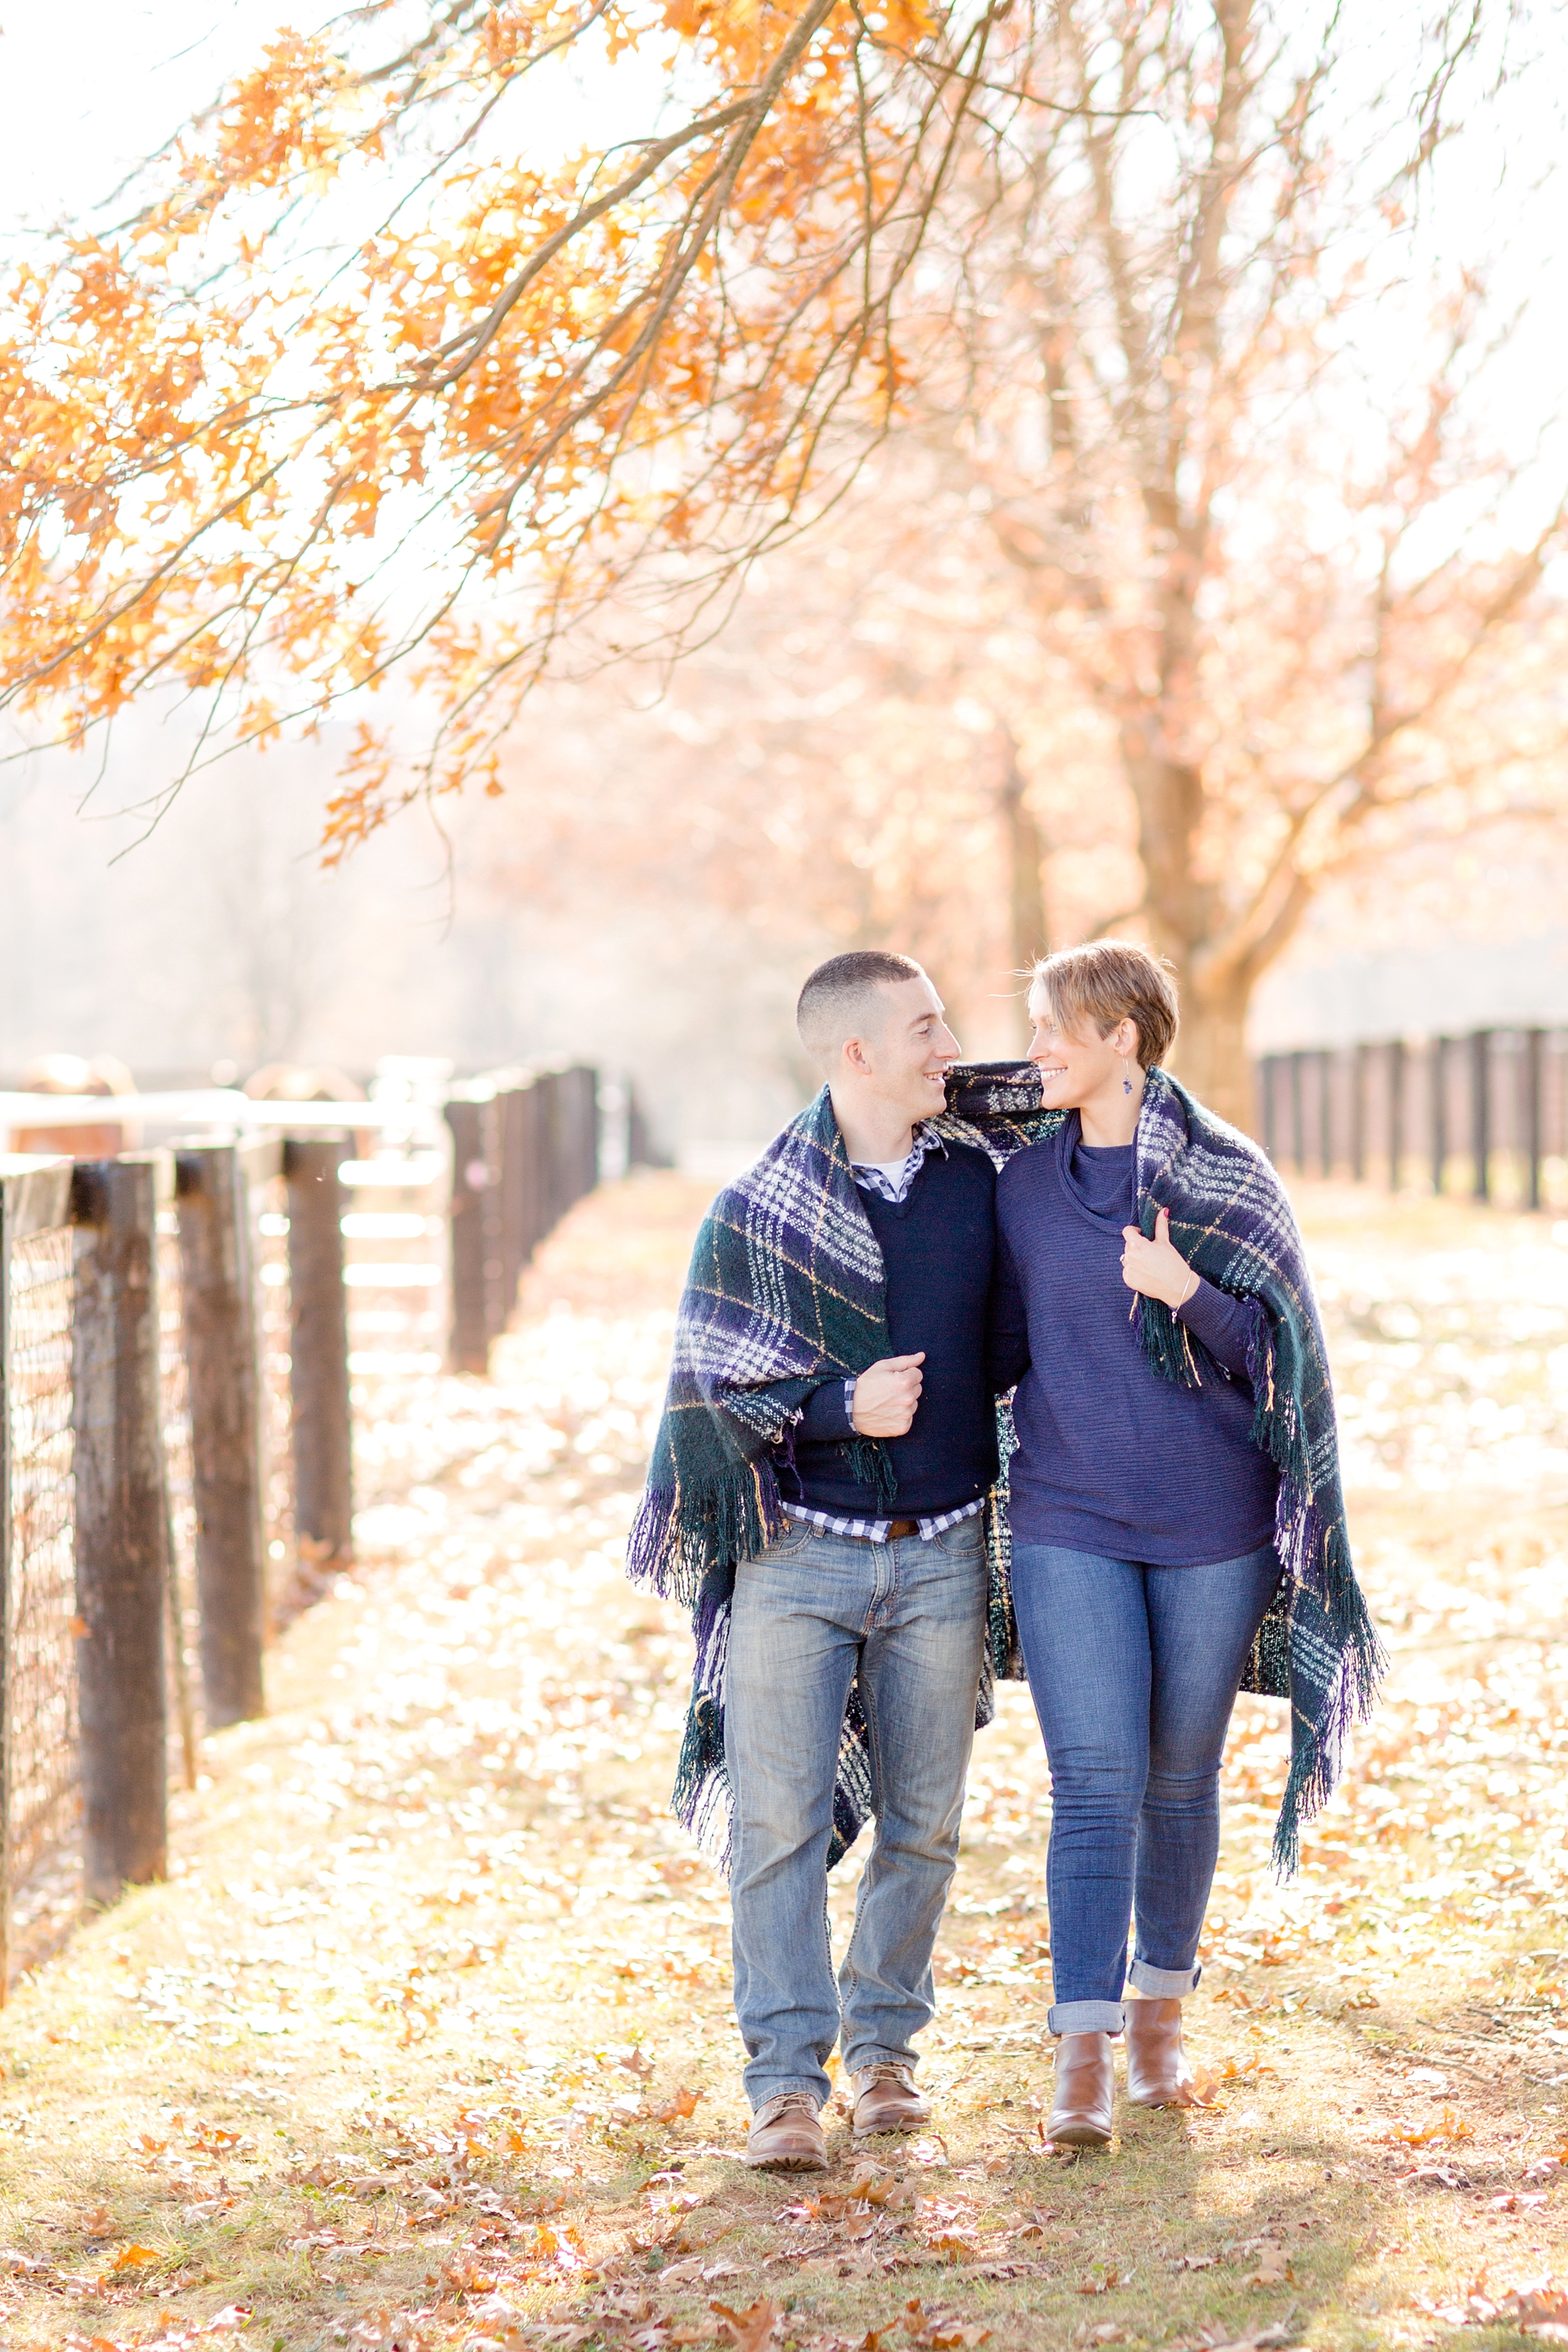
x=1484 y=1114
x=182 y=1331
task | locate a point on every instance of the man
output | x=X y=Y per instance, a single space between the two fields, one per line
x=818 y=1493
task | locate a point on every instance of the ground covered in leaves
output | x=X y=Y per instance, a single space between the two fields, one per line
x=427 y=2042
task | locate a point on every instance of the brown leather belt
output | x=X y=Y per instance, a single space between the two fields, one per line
x=897 y=1527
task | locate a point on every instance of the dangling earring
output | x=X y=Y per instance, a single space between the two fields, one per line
x=1126 y=1081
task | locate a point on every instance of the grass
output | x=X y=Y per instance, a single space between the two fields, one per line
x=427 y=2042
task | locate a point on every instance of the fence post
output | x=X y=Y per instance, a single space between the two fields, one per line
x=1481 y=1113
x=1396 y=1110
x=226 y=1427
x=319 y=1351
x=1263 y=1087
x=522 y=1188
x=584 y=1130
x=122 y=1527
x=476 y=1229
x=1534 y=1050
x=33 y=1200
x=1439 y=1113
x=640 y=1152
x=551 y=1206
x=1325 y=1114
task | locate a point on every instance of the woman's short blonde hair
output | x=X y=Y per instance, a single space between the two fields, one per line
x=1106 y=981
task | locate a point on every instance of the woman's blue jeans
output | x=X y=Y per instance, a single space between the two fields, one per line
x=1134 y=1671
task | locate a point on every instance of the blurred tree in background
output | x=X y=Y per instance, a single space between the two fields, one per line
x=1125 y=324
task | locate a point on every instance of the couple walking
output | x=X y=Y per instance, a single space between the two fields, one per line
x=826 y=1495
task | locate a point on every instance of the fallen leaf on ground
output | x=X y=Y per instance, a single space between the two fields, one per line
x=749 y=2329
x=680 y=2105
x=942 y=2334
x=873 y=2189
x=1262 y=2339
x=135 y=2258
x=1539 y=2309
x=1447 y=2128
x=1273 y=2268
x=1246 y=2071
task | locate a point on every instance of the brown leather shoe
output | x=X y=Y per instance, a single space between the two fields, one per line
x=886 y=2100
x=786 y=2135
x=1085 y=2087
x=1158 y=2074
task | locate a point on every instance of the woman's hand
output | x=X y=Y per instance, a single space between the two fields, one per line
x=1157 y=1267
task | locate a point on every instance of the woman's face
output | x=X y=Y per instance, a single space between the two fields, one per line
x=1076 y=1068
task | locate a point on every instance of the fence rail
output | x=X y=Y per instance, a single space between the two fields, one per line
x=1484 y=1114
x=181 y=1328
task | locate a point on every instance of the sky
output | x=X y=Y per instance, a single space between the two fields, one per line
x=87 y=87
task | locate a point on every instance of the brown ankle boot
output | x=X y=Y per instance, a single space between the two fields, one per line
x=1158 y=2074
x=786 y=2135
x=1085 y=2086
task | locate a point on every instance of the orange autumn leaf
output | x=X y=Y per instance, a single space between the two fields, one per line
x=680 y=2105
x=750 y=2330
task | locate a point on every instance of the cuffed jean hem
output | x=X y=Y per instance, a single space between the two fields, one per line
x=793 y=2086
x=864 y=2058
x=1084 y=2017
x=1164 y=1984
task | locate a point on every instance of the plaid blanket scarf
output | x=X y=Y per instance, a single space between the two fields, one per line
x=786 y=1290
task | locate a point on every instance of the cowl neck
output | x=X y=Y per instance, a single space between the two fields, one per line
x=1100 y=1178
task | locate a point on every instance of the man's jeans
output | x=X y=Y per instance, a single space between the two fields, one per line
x=815 y=1610
x=1133 y=1672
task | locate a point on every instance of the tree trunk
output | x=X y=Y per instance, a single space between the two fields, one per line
x=1029 y=933
x=1210 y=1057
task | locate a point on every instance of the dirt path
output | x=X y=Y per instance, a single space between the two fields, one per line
x=428 y=2043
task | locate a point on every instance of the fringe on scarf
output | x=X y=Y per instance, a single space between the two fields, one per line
x=681 y=1535
x=702 y=1798
x=1336 y=1658
x=871 y=1462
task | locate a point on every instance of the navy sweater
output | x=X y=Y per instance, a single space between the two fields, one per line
x=1112 y=1459
x=939 y=1248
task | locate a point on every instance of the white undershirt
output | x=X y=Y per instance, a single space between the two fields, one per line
x=893 y=1170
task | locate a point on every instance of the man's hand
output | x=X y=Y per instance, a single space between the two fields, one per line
x=886 y=1395
x=1156 y=1268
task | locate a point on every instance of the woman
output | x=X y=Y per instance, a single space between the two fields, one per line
x=1175 y=1485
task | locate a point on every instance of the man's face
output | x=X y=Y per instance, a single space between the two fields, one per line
x=905 y=1058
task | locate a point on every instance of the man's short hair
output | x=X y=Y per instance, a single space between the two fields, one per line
x=1109 y=980
x=838 y=995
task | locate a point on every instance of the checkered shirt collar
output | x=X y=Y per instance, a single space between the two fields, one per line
x=874 y=1180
